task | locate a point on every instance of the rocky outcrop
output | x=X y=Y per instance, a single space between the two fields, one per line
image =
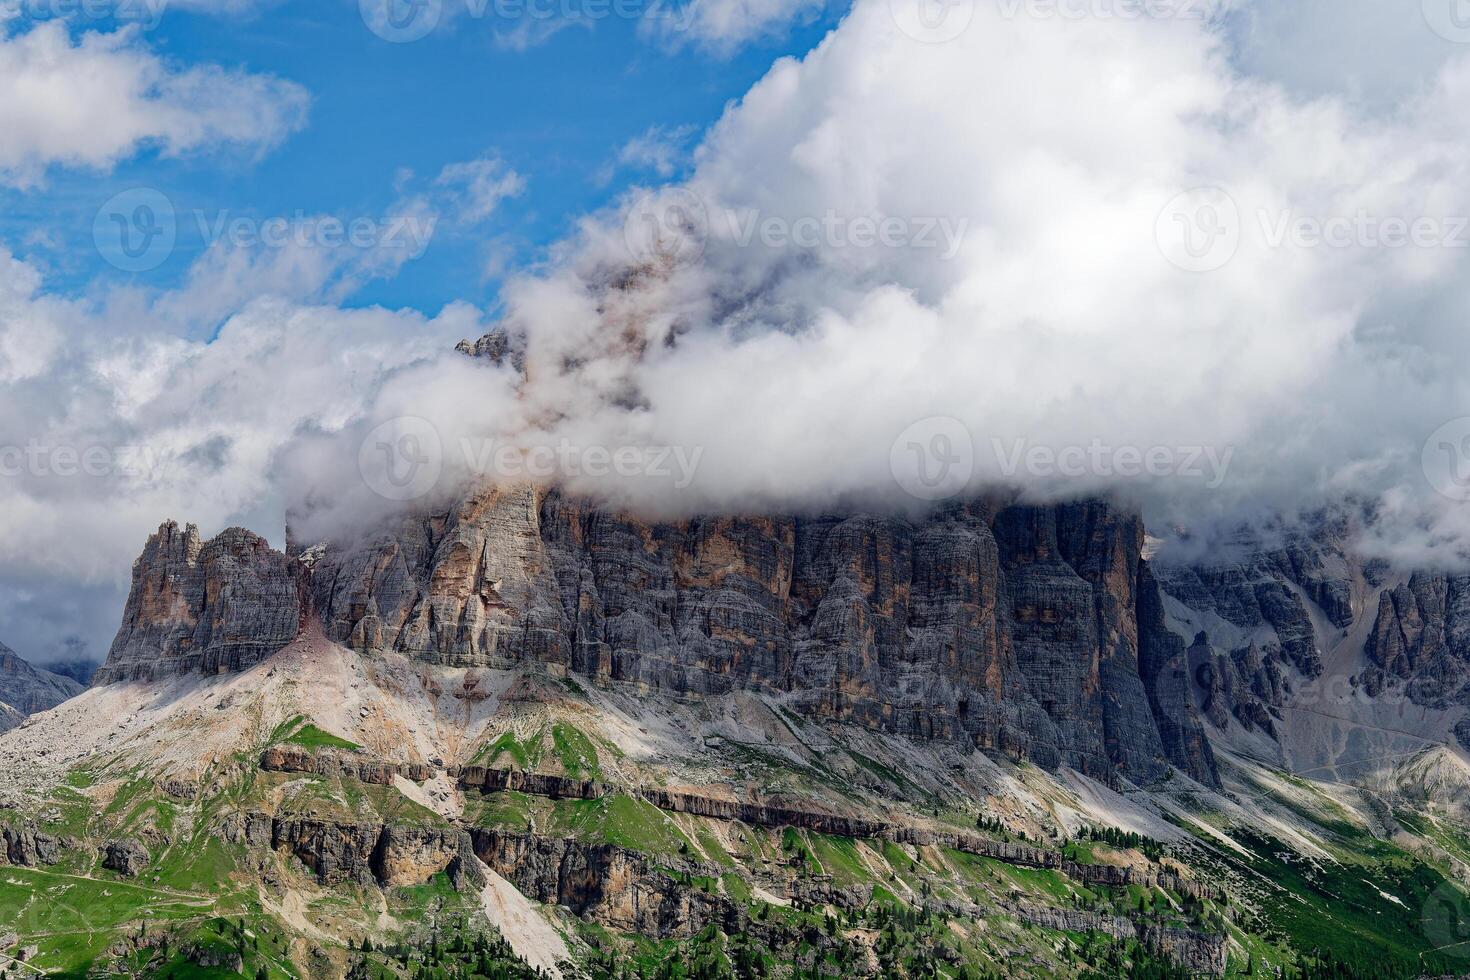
x=535 y=783
x=622 y=890
x=365 y=854
x=1036 y=857
x=1421 y=638
x=763 y=814
x=127 y=856
x=1198 y=952
x=1241 y=685
x=1015 y=629
x=212 y=607
x=25 y=689
x=838 y=825
x=330 y=763
x=616 y=887
x=1163 y=664
x=1262 y=581
x=28 y=847
x=1028 y=631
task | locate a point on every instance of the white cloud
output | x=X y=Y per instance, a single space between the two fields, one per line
x=98 y=99
x=658 y=149
x=479 y=186
x=1056 y=144
x=725 y=25
x=108 y=428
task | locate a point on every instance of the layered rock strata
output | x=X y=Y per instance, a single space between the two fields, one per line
x=1029 y=631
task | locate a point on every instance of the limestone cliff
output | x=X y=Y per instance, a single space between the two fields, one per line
x=1015 y=629
x=213 y=607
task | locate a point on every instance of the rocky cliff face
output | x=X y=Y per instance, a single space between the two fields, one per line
x=214 y=607
x=1031 y=631
x=1264 y=619
x=1421 y=638
x=25 y=690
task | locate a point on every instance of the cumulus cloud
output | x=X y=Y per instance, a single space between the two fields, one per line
x=479 y=186
x=94 y=100
x=725 y=25
x=106 y=430
x=660 y=150
x=1003 y=230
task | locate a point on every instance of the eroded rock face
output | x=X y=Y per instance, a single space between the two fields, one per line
x=25 y=689
x=1029 y=631
x=1015 y=629
x=616 y=887
x=385 y=855
x=1422 y=637
x=127 y=856
x=1265 y=586
x=28 y=847
x=217 y=606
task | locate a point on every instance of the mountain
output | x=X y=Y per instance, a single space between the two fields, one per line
x=1016 y=629
x=78 y=669
x=522 y=732
x=25 y=690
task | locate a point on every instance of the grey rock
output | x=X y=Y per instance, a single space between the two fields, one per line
x=213 y=607
x=127 y=856
x=1013 y=629
x=1421 y=637
x=26 y=690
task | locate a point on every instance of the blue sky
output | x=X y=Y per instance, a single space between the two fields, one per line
x=557 y=112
